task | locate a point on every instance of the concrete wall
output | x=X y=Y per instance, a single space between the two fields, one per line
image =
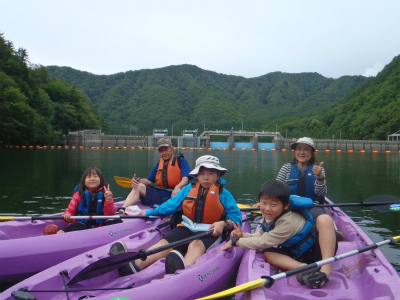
x=345 y=145
x=96 y=138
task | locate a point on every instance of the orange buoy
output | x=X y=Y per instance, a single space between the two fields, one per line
x=52 y=147
x=375 y=151
x=149 y=148
x=209 y=149
x=338 y=151
x=388 y=152
x=253 y=149
x=66 y=147
x=263 y=150
x=200 y=149
x=58 y=147
x=124 y=148
x=234 y=149
x=350 y=151
x=316 y=150
x=23 y=147
x=327 y=150
x=362 y=151
x=283 y=150
x=191 y=148
x=224 y=149
x=140 y=148
x=243 y=149
x=273 y=150
x=183 y=148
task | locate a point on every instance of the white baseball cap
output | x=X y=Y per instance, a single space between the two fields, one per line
x=209 y=162
x=303 y=140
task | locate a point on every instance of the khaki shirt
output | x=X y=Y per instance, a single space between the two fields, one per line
x=287 y=226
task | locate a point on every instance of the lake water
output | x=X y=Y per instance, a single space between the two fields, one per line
x=41 y=181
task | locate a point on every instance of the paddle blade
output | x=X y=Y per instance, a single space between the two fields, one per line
x=123 y=181
x=383 y=203
x=237 y=289
x=244 y=207
x=103 y=266
x=6 y=218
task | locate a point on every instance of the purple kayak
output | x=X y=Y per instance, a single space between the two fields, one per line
x=25 y=250
x=211 y=273
x=366 y=276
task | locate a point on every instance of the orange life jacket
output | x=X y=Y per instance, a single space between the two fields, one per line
x=168 y=173
x=204 y=208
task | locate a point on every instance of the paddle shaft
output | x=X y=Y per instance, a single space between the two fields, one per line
x=12 y=218
x=110 y=263
x=144 y=254
x=268 y=281
x=362 y=204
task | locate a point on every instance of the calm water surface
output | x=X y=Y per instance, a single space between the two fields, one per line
x=41 y=181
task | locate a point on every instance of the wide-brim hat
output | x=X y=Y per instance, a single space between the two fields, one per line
x=209 y=162
x=303 y=140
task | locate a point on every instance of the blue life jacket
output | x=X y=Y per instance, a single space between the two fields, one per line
x=304 y=239
x=91 y=204
x=303 y=186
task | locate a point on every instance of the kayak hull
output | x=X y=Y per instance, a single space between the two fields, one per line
x=211 y=273
x=364 y=276
x=25 y=250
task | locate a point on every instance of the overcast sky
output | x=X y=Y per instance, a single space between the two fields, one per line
x=248 y=38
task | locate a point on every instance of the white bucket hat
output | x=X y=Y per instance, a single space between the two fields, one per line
x=303 y=140
x=209 y=162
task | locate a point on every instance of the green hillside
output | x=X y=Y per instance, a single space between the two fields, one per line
x=369 y=112
x=188 y=97
x=37 y=110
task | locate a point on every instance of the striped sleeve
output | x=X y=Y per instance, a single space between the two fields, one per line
x=284 y=173
x=320 y=188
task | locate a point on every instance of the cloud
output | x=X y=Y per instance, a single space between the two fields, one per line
x=373 y=71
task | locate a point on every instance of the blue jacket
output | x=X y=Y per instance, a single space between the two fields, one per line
x=175 y=203
x=303 y=186
x=302 y=241
x=85 y=209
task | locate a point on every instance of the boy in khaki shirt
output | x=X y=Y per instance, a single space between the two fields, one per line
x=283 y=227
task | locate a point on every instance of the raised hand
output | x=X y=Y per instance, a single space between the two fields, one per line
x=134 y=181
x=107 y=193
x=317 y=170
x=237 y=231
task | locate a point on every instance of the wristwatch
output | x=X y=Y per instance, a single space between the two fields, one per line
x=234 y=240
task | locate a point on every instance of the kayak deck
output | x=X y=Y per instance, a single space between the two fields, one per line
x=365 y=276
x=27 y=251
x=211 y=273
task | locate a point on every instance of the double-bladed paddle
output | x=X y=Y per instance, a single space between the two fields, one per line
x=126 y=183
x=111 y=263
x=382 y=203
x=268 y=281
x=14 y=218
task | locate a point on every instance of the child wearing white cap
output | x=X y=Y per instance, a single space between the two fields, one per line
x=206 y=205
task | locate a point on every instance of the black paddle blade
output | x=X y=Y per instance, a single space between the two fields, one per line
x=103 y=266
x=383 y=203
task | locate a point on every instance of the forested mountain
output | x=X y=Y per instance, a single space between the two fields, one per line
x=188 y=97
x=369 y=112
x=37 y=110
